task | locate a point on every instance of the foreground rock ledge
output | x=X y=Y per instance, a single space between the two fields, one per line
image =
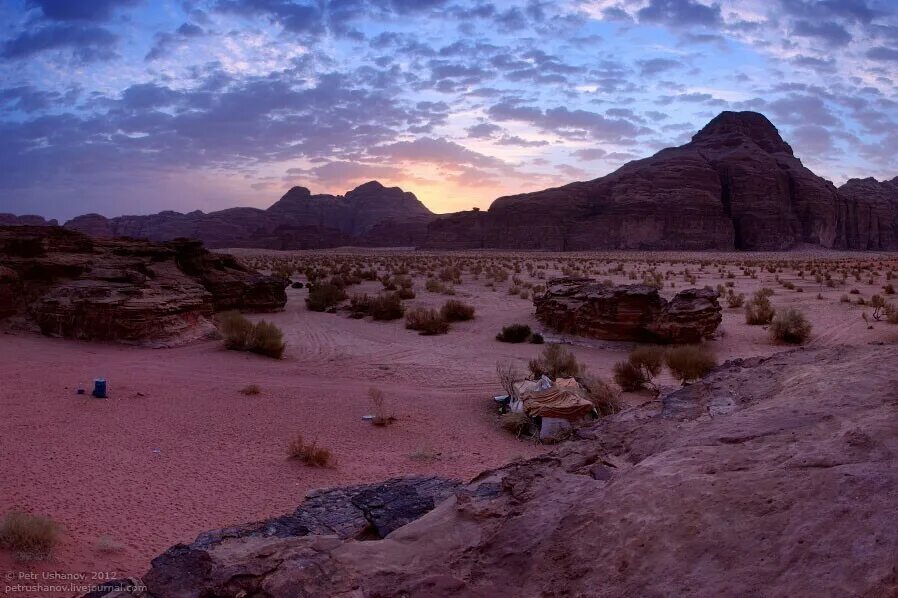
x=771 y=477
x=635 y=312
x=72 y=285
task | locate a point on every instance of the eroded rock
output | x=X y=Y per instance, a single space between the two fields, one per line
x=776 y=497
x=74 y=286
x=638 y=312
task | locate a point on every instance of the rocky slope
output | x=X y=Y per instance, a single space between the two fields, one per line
x=635 y=312
x=72 y=285
x=736 y=185
x=370 y=214
x=882 y=197
x=771 y=477
x=30 y=220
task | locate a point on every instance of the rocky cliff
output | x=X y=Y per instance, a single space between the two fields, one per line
x=771 y=477
x=736 y=185
x=72 y=285
x=370 y=214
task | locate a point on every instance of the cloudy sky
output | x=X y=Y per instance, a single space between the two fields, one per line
x=136 y=106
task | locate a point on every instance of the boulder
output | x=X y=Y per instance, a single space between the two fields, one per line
x=637 y=312
x=364 y=512
x=74 y=286
x=771 y=477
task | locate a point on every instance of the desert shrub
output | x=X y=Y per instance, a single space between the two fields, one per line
x=434 y=286
x=29 y=536
x=508 y=374
x=514 y=333
x=457 y=311
x=386 y=307
x=262 y=337
x=888 y=289
x=235 y=329
x=735 y=299
x=790 y=326
x=628 y=376
x=556 y=361
x=426 y=321
x=690 y=362
x=759 y=311
x=378 y=404
x=250 y=390
x=406 y=293
x=309 y=452
x=324 y=296
x=267 y=339
x=515 y=423
x=891 y=313
x=642 y=365
x=603 y=397
x=537 y=339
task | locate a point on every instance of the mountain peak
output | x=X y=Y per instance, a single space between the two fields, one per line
x=752 y=125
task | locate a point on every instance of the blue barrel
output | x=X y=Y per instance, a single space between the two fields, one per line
x=100 y=388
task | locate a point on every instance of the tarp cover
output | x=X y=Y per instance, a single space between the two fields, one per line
x=567 y=383
x=565 y=403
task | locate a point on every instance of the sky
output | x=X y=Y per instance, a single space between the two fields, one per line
x=137 y=106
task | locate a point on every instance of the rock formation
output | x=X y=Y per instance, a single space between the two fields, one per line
x=74 y=286
x=736 y=185
x=29 y=220
x=771 y=477
x=880 y=209
x=370 y=214
x=635 y=312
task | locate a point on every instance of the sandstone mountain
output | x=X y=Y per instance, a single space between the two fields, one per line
x=26 y=220
x=69 y=284
x=771 y=477
x=370 y=214
x=736 y=185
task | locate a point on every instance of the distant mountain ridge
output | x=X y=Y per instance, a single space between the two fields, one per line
x=298 y=220
x=736 y=185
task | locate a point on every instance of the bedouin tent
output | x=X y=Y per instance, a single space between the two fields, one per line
x=559 y=402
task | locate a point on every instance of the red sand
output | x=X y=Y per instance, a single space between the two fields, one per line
x=177 y=449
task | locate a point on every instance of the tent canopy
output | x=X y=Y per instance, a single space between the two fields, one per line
x=562 y=402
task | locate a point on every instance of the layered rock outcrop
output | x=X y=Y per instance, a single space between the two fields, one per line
x=370 y=214
x=878 y=212
x=28 y=219
x=771 y=477
x=736 y=185
x=74 y=286
x=636 y=312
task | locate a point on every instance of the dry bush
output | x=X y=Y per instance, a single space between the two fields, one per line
x=386 y=307
x=426 y=321
x=457 y=311
x=250 y=389
x=690 y=362
x=790 y=326
x=324 y=296
x=537 y=339
x=556 y=361
x=628 y=376
x=406 y=293
x=514 y=333
x=379 y=408
x=31 y=537
x=759 y=311
x=310 y=453
x=735 y=300
x=267 y=339
x=515 y=423
x=262 y=337
x=604 y=398
x=508 y=373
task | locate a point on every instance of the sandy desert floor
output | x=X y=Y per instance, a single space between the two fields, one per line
x=177 y=449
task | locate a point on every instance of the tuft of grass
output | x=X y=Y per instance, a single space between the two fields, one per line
x=537 y=339
x=690 y=362
x=457 y=311
x=515 y=423
x=556 y=361
x=262 y=337
x=250 y=390
x=759 y=311
x=790 y=326
x=310 y=453
x=514 y=333
x=603 y=397
x=324 y=296
x=31 y=537
x=426 y=321
x=378 y=404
